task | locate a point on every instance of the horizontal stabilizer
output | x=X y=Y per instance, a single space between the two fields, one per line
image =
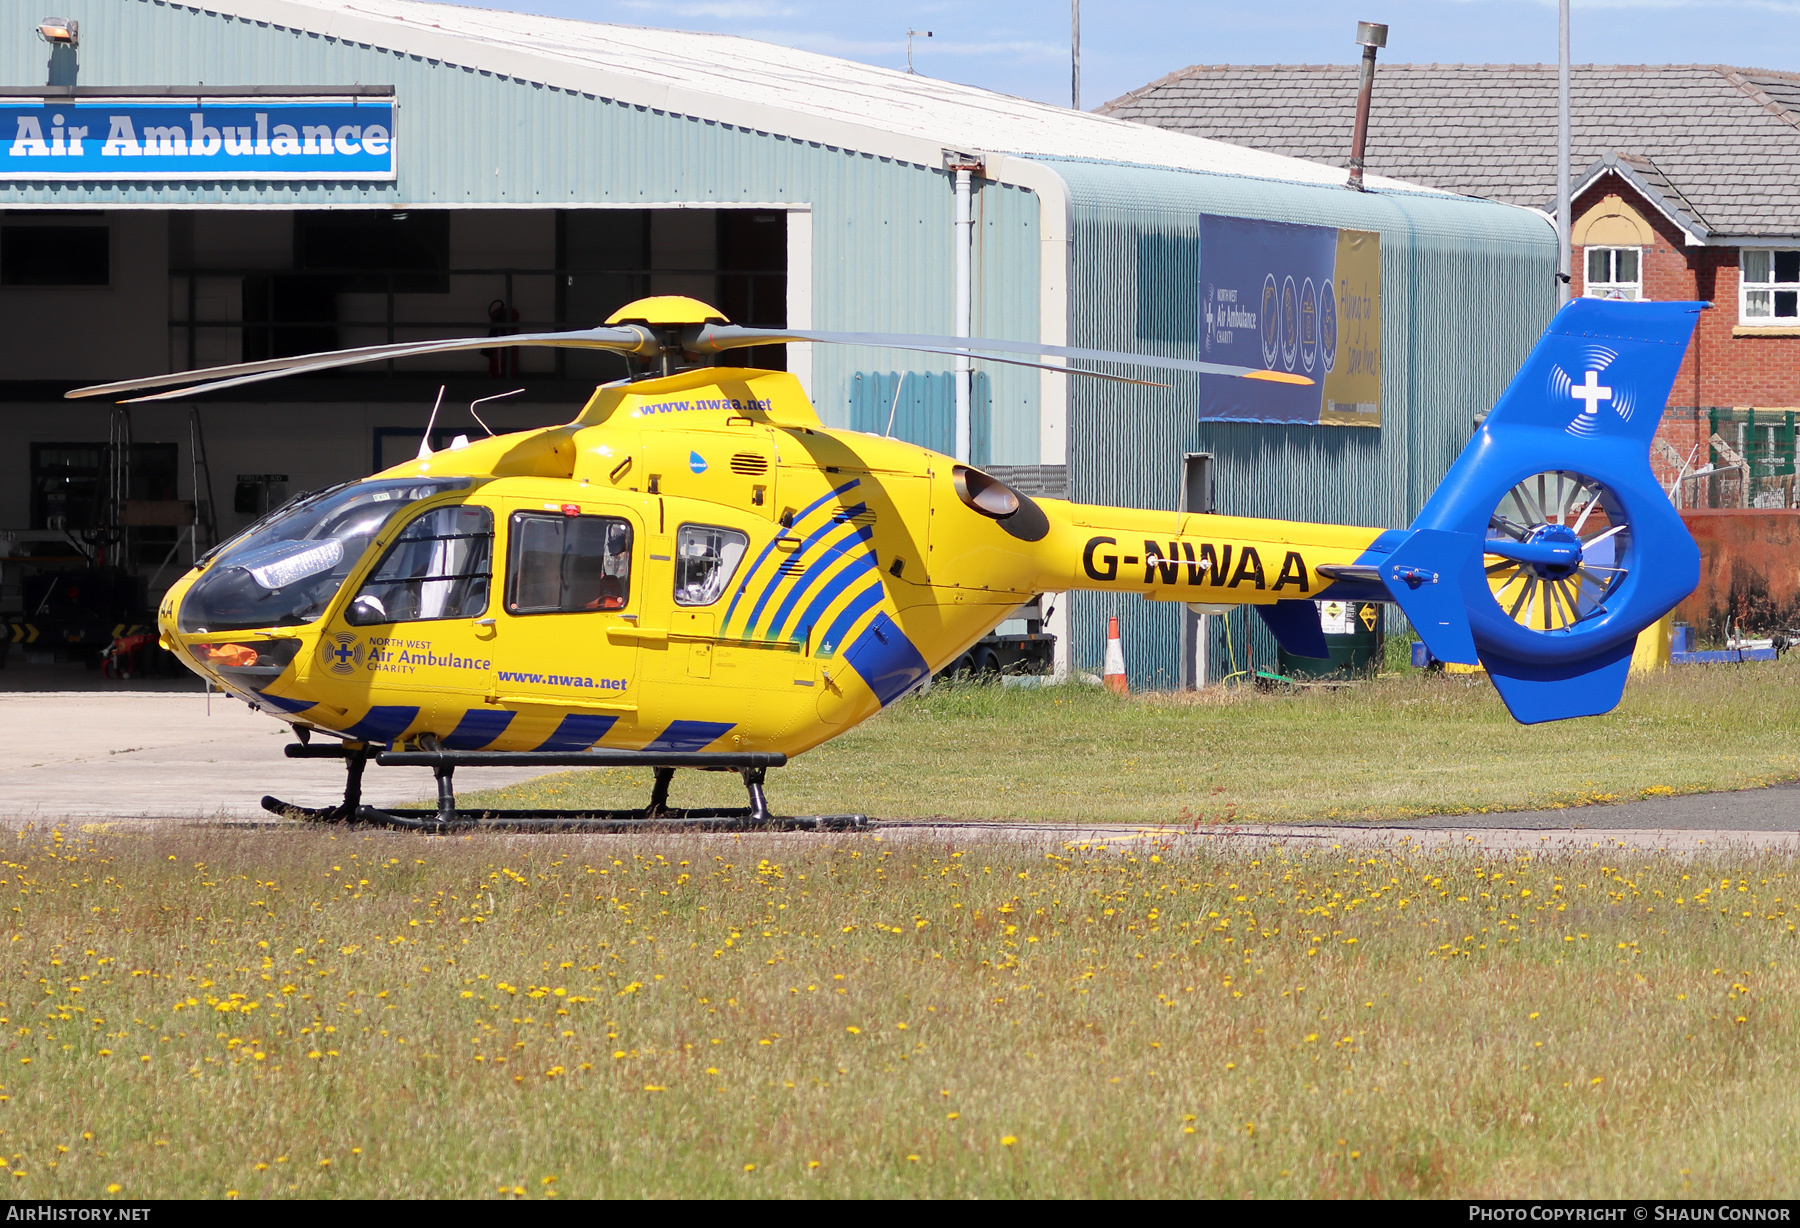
x=1295 y=625
x=1425 y=576
x=1351 y=573
x=1535 y=693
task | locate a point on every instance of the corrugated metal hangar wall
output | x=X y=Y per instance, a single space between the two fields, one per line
x=1466 y=289
x=1466 y=285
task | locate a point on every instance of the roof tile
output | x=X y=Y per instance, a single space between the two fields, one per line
x=1705 y=133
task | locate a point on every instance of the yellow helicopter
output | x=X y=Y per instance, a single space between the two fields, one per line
x=696 y=572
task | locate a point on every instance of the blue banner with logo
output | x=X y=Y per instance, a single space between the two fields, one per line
x=261 y=139
x=1304 y=300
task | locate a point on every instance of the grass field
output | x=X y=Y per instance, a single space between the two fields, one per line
x=1404 y=746
x=204 y=1012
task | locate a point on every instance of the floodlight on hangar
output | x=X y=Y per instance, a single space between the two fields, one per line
x=60 y=31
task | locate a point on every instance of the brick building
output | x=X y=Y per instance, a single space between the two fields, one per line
x=1687 y=185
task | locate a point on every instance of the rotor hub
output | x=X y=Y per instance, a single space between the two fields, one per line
x=1561 y=547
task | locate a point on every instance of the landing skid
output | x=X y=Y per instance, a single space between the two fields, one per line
x=658 y=815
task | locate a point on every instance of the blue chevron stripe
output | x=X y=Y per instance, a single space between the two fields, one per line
x=690 y=735
x=478 y=727
x=887 y=660
x=749 y=575
x=849 y=574
x=840 y=626
x=578 y=732
x=382 y=723
x=815 y=572
x=288 y=705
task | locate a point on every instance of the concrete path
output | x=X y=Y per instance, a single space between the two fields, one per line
x=174 y=755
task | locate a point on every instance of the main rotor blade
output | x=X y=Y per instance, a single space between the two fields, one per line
x=630 y=339
x=1042 y=366
x=715 y=338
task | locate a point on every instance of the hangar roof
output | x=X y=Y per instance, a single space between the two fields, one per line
x=770 y=88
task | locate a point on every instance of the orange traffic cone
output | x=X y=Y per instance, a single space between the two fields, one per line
x=1113 y=674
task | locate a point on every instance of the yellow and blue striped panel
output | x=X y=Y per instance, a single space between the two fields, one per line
x=819 y=591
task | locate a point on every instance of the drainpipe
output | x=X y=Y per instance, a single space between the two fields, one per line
x=964 y=167
x=1369 y=35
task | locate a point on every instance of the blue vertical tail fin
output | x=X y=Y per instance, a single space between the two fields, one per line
x=1549 y=545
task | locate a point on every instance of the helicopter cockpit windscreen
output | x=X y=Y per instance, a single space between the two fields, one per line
x=284 y=570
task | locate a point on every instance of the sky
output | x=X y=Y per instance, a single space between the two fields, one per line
x=1021 y=47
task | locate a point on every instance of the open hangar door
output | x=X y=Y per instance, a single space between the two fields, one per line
x=103 y=507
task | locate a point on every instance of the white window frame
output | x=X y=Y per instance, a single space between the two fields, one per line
x=1630 y=290
x=1759 y=300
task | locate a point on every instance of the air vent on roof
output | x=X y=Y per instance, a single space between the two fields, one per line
x=861 y=515
x=750 y=465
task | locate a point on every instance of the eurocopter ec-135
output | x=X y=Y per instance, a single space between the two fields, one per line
x=696 y=572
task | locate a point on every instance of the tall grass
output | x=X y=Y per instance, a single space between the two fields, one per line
x=1394 y=748
x=305 y=1013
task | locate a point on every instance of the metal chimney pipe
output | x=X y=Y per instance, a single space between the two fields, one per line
x=1075 y=54
x=1564 y=253
x=1370 y=36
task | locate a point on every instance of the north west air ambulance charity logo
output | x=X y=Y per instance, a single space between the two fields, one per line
x=1593 y=394
x=341 y=653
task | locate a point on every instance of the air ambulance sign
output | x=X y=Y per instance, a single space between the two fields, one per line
x=273 y=138
x=1299 y=299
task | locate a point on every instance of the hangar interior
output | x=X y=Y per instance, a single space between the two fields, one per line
x=187 y=288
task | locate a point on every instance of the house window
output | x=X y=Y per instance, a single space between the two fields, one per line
x=1771 y=286
x=1615 y=272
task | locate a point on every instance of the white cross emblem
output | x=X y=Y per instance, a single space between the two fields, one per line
x=1592 y=392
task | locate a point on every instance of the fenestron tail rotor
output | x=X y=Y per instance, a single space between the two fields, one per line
x=667 y=330
x=1556 y=548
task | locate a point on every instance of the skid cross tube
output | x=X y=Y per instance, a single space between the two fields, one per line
x=751 y=766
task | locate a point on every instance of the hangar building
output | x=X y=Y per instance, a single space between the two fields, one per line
x=185 y=186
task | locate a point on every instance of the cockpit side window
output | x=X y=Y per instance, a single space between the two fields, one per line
x=286 y=569
x=439 y=567
x=567 y=564
x=706 y=556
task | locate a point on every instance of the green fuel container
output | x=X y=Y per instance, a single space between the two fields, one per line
x=1353 y=633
